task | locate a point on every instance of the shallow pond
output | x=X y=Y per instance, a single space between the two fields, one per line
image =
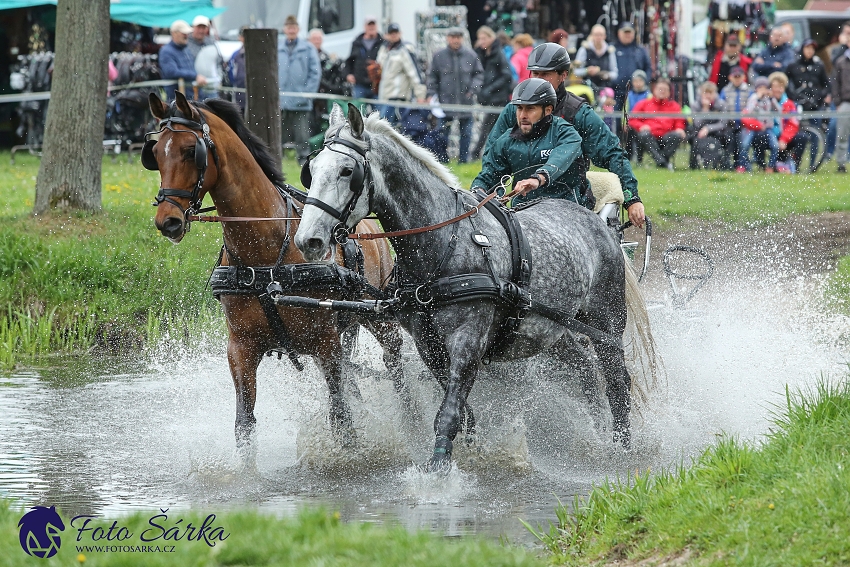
x=110 y=436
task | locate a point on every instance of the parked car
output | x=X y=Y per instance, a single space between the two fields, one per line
x=820 y=25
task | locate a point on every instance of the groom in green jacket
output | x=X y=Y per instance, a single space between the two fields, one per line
x=537 y=152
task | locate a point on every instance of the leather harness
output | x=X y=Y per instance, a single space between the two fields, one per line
x=435 y=292
x=347 y=280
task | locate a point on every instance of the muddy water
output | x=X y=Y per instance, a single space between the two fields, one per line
x=109 y=436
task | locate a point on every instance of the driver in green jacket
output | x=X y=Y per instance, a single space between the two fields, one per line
x=537 y=152
x=551 y=62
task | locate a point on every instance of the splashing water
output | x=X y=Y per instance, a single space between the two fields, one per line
x=160 y=433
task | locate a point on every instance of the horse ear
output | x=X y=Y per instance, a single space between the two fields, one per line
x=355 y=120
x=337 y=116
x=184 y=106
x=158 y=108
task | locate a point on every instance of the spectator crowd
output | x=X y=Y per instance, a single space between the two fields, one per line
x=611 y=75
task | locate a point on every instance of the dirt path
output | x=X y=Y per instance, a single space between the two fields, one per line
x=800 y=246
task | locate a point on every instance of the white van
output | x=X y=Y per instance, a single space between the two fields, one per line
x=341 y=20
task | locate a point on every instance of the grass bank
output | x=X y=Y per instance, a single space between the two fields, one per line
x=784 y=501
x=74 y=282
x=314 y=537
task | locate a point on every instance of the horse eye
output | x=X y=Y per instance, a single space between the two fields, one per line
x=346 y=171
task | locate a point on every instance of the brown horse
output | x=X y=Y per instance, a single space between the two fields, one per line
x=242 y=178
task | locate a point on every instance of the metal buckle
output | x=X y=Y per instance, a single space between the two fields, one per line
x=253 y=277
x=418 y=300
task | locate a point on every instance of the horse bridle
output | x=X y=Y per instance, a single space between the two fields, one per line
x=361 y=178
x=203 y=146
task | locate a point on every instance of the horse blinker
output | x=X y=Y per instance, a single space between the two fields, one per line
x=148 y=160
x=306 y=176
x=200 y=154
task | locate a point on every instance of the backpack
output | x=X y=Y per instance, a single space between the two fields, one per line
x=709 y=152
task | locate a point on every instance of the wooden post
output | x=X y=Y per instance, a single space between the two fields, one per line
x=263 y=98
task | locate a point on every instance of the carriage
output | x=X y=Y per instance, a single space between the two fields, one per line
x=462 y=285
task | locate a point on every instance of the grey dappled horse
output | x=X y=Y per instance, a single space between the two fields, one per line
x=578 y=265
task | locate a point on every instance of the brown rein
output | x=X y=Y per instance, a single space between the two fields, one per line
x=421 y=229
x=359 y=235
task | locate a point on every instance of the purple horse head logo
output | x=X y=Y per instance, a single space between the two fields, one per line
x=39 y=531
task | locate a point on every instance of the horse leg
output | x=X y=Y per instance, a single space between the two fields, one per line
x=579 y=360
x=342 y=426
x=618 y=382
x=244 y=360
x=464 y=347
x=348 y=341
x=436 y=357
x=467 y=417
x=448 y=420
x=389 y=336
x=618 y=385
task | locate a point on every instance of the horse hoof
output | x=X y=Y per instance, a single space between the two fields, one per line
x=439 y=464
x=244 y=435
x=624 y=437
x=348 y=440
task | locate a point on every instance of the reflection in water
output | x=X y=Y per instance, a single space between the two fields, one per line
x=108 y=437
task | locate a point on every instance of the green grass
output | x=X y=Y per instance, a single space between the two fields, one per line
x=784 y=501
x=838 y=289
x=71 y=282
x=734 y=198
x=107 y=280
x=313 y=538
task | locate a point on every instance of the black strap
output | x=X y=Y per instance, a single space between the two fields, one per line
x=293 y=192
x=515 y=293
x=520 y=249
x=570 y=322
x=279 y=329
x=570 y=107
x=338 y=215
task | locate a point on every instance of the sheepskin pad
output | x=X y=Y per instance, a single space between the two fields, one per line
x=606 y=188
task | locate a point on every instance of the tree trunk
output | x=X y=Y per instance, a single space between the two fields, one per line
x=70 y=171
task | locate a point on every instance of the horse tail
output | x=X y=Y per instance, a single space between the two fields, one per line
x=640 y=350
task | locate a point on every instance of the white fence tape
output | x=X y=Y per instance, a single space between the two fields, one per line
x=23 y=97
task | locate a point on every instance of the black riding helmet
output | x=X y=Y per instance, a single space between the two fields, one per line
x=534 y=91
x=549 y=57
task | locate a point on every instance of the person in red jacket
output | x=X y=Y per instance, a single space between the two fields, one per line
x=725 y=60
x=659 y=136
x=778 y=131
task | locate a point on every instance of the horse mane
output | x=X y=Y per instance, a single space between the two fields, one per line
x=376 y=125
x=231 y=114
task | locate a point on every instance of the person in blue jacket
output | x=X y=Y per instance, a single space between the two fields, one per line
x=631 y=57
x=775 y=57
x=177 y=62
x=298 y=71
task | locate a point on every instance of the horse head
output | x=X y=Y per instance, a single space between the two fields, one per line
x=180 y=152
x=339 y=183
